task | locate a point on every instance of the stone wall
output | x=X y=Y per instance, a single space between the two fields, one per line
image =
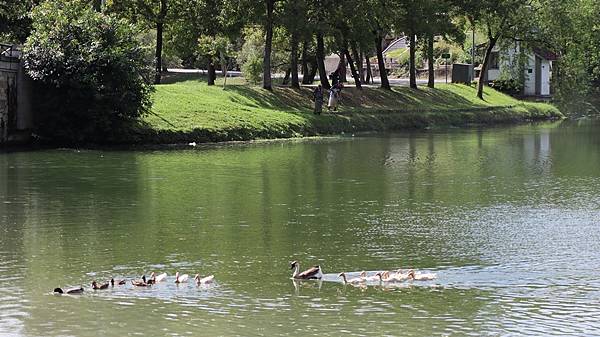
x=16 y=120
x=8 y=103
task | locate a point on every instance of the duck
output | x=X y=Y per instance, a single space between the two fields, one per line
x=160 y=278
x=364 y=276
x=385 y=276
x=204 y=280
x=140 y=283
x=313 y=273
x=71 y=291
x=118 y=282
x=181 y=278
x=96 y=286
x=421 y=277
x=355 y=280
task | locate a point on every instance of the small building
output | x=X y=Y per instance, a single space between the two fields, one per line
x=536 y=65
x=16 y=119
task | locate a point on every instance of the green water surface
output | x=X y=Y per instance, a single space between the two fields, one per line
x=508 y=218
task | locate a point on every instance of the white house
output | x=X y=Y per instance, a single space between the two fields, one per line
x=537 y=67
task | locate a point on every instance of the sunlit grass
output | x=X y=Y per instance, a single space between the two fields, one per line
x=191 y=109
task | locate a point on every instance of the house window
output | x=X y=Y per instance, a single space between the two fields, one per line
x=494 y=58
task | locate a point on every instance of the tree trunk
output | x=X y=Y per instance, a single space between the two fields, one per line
x=321 y=61
x=431 y=70
x=358 y=62
x=484 y=66
x=313 y=72
x=305 y=64
x=158 y=55
x=352 y=68
x=341 y=68
x=212 y=74
x=412 y=66
x=97 y=5
x=385 y=83
x=294 y=62
x=369 y=71
x=268 y=46
x=361 y=69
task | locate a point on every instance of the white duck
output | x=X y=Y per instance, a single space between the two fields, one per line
x=309 y=274
x=399 y=275
x=160 y=278
x=421 y=277
x=355 y=280
x=210 y=279
x=181 y=278
x=364 y=276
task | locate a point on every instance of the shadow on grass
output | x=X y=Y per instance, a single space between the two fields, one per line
x=171 y=78
x=281 y=98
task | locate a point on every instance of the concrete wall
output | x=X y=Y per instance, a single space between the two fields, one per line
x=16 y=116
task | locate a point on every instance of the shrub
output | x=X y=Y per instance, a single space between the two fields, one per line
x=91 y=71
x=251 y=55
x=509 y=86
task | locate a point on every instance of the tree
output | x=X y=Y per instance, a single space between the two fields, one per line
x=15 y=23
x=498 y=18
x=380 y=18
x=152 y=14
x=268 y=25
x=217 y=47
x=295 y=12
x=90 y=70
x=569 y=28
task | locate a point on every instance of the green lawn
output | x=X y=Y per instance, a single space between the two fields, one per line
x=189 y=110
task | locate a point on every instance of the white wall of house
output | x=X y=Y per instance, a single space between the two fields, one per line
x=529 y=85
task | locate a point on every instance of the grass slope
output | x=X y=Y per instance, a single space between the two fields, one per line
x=190 y=110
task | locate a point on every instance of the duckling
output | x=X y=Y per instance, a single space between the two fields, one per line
x=204 y=280
x=140 y=283
x=364 y=276
x=181 y=278
x=352 y=280
x=309 y=274
x=95 y=286
x=161 y=277
x=72 y=291
x=119 y=282
x=385 y=276
x=399 y=276
x=421 y=277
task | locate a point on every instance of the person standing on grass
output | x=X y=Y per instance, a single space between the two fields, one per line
x=318 y=99
x=334 y=95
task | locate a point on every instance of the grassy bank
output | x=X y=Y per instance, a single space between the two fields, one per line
x=189 y=110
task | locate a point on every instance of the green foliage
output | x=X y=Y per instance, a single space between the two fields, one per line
x=457 y=54
x=90 y=67
x=15 y=22
x=510 y=86
x=251 y=55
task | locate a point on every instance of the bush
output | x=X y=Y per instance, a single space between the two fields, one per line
x=509 y=86
x=251 y=55
x=91 y=71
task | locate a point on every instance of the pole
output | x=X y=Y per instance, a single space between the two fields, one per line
x=446 y=71
x=473 y=57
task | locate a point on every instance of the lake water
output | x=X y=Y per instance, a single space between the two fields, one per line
x=508 y=218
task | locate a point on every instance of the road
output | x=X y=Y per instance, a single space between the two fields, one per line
x=376 y=80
